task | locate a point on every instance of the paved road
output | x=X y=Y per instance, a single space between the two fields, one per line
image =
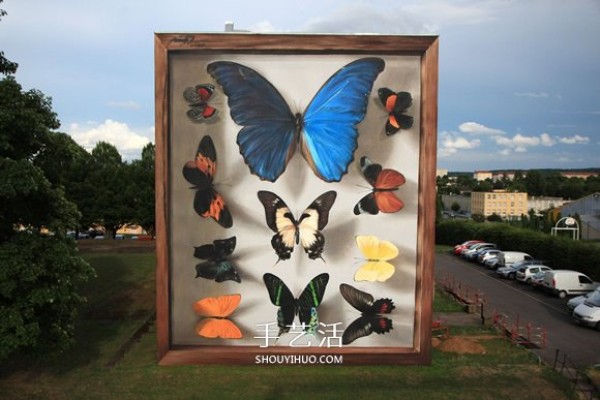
x=515 y=299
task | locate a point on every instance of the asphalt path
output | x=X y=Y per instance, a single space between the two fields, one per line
x=519 y=301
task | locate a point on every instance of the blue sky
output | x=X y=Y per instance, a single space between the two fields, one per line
x=519 y=80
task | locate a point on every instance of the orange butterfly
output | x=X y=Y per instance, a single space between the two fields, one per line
x=384 y=182
x=216 y=310
x=200 y=172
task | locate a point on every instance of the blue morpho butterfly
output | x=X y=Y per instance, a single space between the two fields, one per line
x=326 y=132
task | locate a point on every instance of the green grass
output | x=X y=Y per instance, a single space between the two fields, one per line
x=443 y=302
x=122 y=296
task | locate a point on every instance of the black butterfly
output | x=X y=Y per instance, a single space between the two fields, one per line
x=396 y=104
x=305 y=230
x=200 y=173
x=305 y=306
x=370 y=320
x=217 y=267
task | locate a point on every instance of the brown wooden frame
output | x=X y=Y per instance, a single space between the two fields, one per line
x=424 y=46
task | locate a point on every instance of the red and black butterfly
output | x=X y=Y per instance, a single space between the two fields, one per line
x=198 y=97
x=371 y=319
x=200 y=172
x=396 y=104
x=384 y=182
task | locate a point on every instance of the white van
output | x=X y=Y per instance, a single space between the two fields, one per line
x=508 y=258
x=564 y=282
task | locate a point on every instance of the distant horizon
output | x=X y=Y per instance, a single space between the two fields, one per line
x=585 y=169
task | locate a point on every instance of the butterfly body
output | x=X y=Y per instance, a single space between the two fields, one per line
x=384 y=182
x=198 y=97
x=371 y=319
x=200 y=172
x=215 y=311
x=396 y=104
x=305 y=306
x=377 y=253
x=289 y=231
x=271 y=132
x=217 y=267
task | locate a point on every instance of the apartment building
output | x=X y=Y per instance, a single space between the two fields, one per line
x=508 y=205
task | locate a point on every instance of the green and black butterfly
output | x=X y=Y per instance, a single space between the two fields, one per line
x=218 y=267
x=371 y=319
x=305 y=306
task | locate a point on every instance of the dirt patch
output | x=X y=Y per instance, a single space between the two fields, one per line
x=116 y=246
x=460 y=345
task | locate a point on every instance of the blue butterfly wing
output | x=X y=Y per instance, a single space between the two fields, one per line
x=266 y=140
x=329 y=135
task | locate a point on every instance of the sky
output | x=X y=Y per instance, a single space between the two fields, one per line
x=519 y=80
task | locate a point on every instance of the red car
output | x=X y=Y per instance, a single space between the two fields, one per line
x=459 y=247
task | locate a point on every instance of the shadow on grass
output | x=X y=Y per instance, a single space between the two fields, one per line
x=119 y=301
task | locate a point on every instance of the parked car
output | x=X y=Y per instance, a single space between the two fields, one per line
x=588 y=312
x=575 y=301
x=508 y=258
x=510 y=272
x=487 y=254
x=474 y=256
x=492 y=263
x=537 y=280
x=565 y=282
x=459 y=247
x=526 y=274
x=469 y=251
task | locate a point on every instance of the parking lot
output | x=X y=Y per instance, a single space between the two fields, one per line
x=519 y=300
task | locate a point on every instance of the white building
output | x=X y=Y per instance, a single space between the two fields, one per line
x=588 y=208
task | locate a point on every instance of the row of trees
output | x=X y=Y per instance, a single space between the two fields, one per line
x=534 y=182
x=49 y=181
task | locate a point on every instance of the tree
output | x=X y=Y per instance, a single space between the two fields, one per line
x=535 y=183
x=455 y=207
x=494 y=218
x=142 y=181
x=38 y=271
x=111 y=189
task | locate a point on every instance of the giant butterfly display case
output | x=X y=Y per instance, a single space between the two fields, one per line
x=296 y=66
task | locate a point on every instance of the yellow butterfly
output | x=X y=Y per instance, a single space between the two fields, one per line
x=377 y=253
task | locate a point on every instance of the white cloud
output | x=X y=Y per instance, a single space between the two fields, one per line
x=451 y=144
x=519 y=143
x=522 y=141
x=128 y=142
x=365 y=18
x=547 y=140
x=533 y=95
x=129 y=105
x=577 y=139
x=478 y=129
x=442 y=13
x=264 y=26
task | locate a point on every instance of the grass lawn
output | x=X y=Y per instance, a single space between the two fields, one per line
x=122 y=298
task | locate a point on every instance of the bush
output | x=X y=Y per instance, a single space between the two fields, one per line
x=557 y=252
x=38 y=299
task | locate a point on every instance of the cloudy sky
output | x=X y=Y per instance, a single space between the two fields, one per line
x=519 y=79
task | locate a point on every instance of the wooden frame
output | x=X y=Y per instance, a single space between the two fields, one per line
x=425 y=49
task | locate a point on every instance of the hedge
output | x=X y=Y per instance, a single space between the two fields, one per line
x=556 y=251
